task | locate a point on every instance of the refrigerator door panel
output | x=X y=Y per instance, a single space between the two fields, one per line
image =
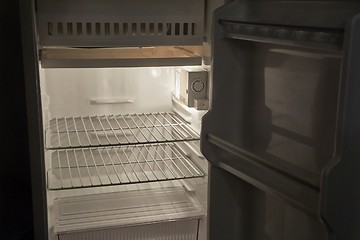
x=256 y=214
x=284 y=105
x=246 y=166
x=282 y=127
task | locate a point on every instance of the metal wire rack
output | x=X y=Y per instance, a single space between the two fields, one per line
x=111 y=130
x=90 y=167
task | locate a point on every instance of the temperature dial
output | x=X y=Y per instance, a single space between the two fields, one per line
x=198 y=85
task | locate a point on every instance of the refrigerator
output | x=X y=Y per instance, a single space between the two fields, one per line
x=116 y=91
x=168 y=120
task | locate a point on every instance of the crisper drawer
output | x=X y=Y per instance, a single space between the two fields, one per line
x=167 y=213
x=179 y=230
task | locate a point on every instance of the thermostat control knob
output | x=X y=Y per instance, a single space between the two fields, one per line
x=198 y=85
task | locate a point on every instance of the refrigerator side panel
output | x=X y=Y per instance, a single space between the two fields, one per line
x=32 y=87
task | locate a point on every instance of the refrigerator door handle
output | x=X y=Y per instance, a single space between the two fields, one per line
x=112 y=100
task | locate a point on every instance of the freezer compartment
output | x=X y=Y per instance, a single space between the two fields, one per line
x=94 y=167
x=120 y=23
x=110 y=130
x=140 y=214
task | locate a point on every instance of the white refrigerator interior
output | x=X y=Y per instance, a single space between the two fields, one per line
x=122 y=155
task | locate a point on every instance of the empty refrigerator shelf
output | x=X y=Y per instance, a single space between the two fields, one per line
x=92 y=167
x=112 y=130
x=137 y=208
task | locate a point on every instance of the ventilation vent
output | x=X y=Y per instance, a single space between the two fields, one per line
x=56 y=29
x=109 y=23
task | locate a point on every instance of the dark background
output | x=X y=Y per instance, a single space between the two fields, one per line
x=15 y=186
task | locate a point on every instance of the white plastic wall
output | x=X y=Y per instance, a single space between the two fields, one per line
x=74 y=92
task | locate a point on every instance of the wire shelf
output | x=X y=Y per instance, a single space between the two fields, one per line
x=91 y=167
x=112 y=130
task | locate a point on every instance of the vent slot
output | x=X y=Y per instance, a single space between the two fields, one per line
x=186 y=28
x=133 y=29
x=60 y=29
x=107 y=29
x=50 y=28
x=160 y=29
x=168 y=29
x=177 y=28
x=69 y=27
x=126 y=29
x=193 y=29
x=151 y=28
x=79 y=28
x=97 y=29
x=143 y=28
x=116 y=29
